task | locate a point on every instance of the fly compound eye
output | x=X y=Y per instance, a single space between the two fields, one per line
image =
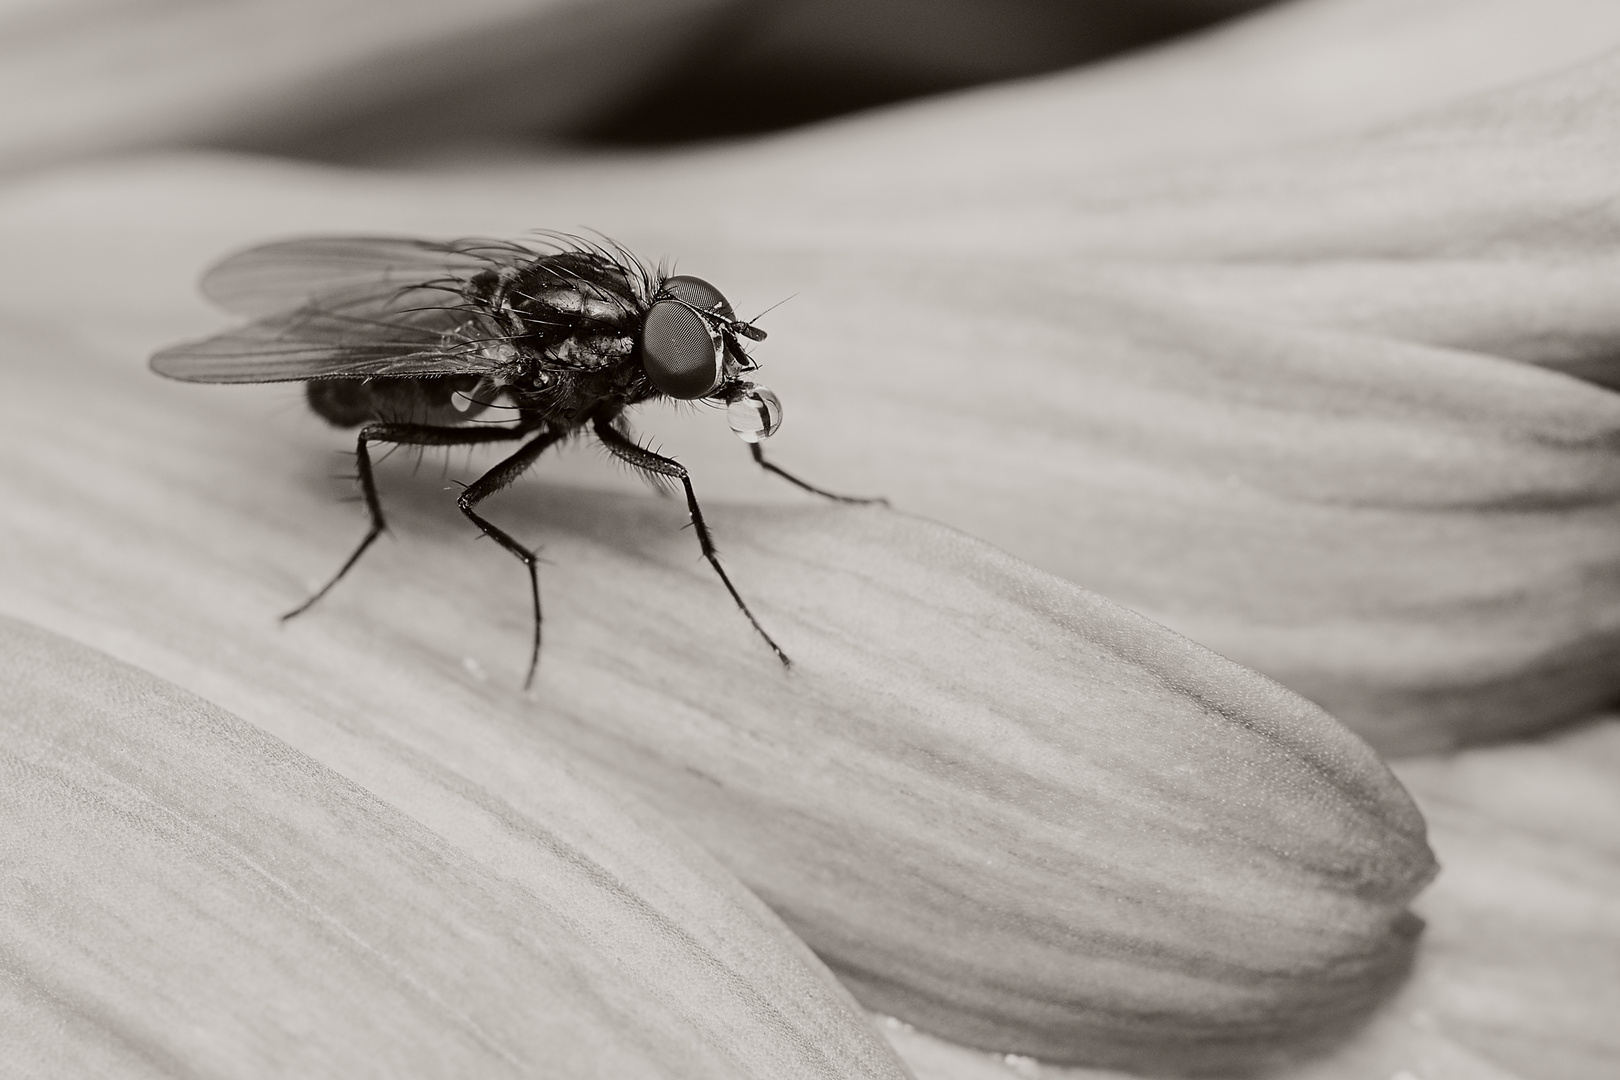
x=700 y=294
x=681 y=352
x=754 y=414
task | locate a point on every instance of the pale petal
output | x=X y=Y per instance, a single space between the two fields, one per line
x=1282 y=74
x=1415 y=537
x=1523 y=961
x=1519 y=976
x=81 y=77
x=186 y=895
x=93 y=76
x=998 y=804
x=1487 y=226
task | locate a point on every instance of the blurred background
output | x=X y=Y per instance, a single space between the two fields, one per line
x=386 y=80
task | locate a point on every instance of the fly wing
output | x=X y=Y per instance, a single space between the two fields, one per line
x=362 y=332
x=290 y=273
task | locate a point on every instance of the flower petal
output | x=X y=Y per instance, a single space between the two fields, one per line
x=1423 y=540
x=1524 y=953
x=998 y=804
x=1418 y=538
x=186 y=894
x=1485 y=226
x=1517 y=974
x=78 y=79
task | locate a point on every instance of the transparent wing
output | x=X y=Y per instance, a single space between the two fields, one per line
x=362 y=332
x=288 y=274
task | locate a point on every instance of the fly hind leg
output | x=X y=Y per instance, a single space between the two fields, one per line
x=403 y=435
x=759 y=459
x=487 y=485
x=640 y=457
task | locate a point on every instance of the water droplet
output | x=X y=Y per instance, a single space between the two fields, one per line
x=754 y=414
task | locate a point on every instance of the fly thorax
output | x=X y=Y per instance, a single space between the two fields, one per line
x=590 y=352
x=578 y=303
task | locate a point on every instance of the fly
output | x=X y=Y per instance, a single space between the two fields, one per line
x=411 y=341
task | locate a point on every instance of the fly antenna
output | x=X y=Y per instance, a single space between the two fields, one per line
x=770 y=309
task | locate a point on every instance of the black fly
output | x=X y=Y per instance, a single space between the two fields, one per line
x=412 y=340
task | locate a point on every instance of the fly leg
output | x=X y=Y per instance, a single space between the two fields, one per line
x=759 y=459
x=487 y=485
x=640 y=457
x=408 y=435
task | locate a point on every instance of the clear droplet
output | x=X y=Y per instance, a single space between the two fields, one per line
x=754 y=414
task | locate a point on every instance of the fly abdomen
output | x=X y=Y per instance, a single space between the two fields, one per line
x=442 y=401
x=343 y=403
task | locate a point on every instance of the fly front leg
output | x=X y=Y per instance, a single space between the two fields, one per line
x=401 y=435
x=759 y=459
x=487 y=485
x=640 y=457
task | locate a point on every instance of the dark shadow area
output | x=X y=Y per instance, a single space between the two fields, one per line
x=615 y=73
x=779 y=65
